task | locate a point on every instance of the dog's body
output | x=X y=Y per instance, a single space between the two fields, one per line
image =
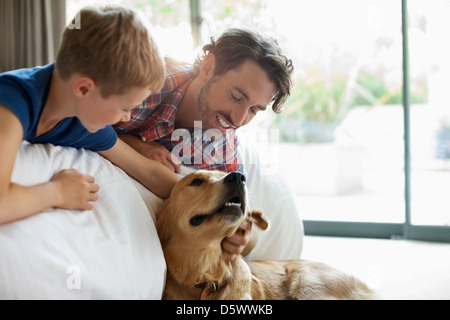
x=203 y=209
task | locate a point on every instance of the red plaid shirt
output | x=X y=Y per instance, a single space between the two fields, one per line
x=154 y=120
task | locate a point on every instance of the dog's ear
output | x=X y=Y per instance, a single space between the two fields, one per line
x=257 y=218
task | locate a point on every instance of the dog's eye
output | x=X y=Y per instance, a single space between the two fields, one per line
x=196 y=182
x=198 y=219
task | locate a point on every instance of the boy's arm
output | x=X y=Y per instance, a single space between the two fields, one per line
x=152 y=174
x=68 y=189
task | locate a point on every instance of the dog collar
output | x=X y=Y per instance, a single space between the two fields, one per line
x=210 y=287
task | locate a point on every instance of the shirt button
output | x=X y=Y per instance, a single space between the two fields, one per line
x=144 y=139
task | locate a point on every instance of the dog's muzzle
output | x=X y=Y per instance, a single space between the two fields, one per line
x=236 y=179
x=233 y=203
x=236 y=190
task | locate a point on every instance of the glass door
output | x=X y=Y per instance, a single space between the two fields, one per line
x=429 y=62
x=341 y=132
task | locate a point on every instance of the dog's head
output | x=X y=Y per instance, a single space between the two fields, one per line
x=203 y=208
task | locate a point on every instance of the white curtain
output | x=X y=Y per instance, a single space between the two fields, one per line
x=30 y=32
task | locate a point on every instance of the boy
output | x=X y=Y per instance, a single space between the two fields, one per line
x=102 y=71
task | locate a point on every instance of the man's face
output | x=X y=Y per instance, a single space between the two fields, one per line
x=231 y=100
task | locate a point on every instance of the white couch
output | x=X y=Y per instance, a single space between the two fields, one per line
x=112 y=251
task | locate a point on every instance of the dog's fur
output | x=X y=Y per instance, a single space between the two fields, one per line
x=203 y=209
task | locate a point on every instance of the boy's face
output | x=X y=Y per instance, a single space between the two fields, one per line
x=232 y=100
x=97 y=112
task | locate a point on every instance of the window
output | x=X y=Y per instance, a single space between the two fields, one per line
x=170 y=20
x=342 y=133
x=430 y=120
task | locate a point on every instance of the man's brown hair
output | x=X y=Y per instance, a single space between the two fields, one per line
x=235 y=46
x=113 y=47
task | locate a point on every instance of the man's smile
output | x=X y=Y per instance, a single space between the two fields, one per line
x=224 y=123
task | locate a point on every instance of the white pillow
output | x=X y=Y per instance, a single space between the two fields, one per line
x=111 y=252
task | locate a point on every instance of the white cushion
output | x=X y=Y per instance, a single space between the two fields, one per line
x=270 y=193
x=111 y=252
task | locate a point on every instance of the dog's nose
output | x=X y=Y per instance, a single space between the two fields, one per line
x=235 y=178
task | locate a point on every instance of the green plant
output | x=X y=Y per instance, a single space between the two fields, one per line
x=316 y=108
x=316 y=101
x=312 y=111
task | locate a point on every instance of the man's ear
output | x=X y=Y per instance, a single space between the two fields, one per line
x=257 y=218
x=207 y=67
x=83 y=86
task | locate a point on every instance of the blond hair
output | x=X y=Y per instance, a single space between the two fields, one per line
x=113 y=47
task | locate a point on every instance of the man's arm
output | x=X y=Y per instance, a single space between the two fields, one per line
x=152 y=174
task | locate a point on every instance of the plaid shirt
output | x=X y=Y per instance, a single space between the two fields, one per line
x=154 y=120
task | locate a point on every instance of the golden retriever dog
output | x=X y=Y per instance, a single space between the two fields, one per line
x=204 y=208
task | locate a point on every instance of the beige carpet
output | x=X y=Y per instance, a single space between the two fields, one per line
x=397 y=269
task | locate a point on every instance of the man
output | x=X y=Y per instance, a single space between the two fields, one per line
x=233 y=79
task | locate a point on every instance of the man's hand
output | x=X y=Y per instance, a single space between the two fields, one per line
x=155 y=151
x=151 y=150
x=235 y=245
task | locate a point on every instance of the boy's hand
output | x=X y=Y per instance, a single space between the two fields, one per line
x=76 y=190
x=234 y=245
